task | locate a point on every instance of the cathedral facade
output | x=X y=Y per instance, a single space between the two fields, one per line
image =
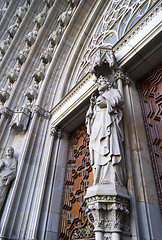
x=54 y=57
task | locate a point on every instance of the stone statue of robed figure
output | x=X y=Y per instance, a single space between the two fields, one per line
x=7 y=173
x=103 y=121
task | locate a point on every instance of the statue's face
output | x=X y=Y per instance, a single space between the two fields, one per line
x=9 y=152
x=103 y=84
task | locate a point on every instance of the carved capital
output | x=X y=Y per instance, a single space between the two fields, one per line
x=119 y=74
x=55 y=132
x=127 y=79
x=41 y=112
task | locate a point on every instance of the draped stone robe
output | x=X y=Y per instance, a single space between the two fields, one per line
x=106 y=137
x=7 y=174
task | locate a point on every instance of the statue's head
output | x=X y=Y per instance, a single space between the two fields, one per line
x=103 y=83
x=10 y=152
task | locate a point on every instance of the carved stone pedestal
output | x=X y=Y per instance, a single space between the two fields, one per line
x=109 y=206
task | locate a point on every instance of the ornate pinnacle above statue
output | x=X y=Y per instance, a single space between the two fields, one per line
x=103 y=122
x=7 y=173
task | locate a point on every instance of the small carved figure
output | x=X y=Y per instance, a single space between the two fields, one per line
x=46 y=55
x=7 y=173
x=31 y=37
x=13 y=75
x=103 y=122
x=39 y=19
x=32 y=92
x=39 y=74
x=64 y=18
x=55 y=36
x=20 y=13
x=12 y=30
x=4 y=46
x=4 y=95
x=22 y=56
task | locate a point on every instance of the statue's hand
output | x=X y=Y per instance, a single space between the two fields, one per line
x=93 y=100
x=101 y=102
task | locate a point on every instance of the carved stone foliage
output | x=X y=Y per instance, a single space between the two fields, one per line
x=73 y=220
x=150 y=92
x=111 y=213
x=8 y=166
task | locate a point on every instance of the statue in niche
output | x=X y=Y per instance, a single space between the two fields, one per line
x=7 y=173
x=103 y=122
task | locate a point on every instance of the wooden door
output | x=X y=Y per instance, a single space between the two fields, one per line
x=74 y=222
x=150 y=92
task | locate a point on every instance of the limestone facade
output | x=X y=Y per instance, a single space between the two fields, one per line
x=46 y=81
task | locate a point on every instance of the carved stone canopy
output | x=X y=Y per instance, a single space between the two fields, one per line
x=102 y=60
x=20 y=120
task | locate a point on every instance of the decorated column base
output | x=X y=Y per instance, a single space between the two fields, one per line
x=108 y=205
